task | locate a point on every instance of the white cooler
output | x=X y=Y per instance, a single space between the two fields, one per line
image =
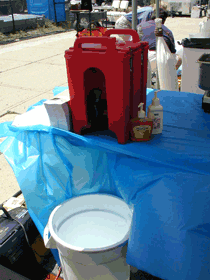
x=193 y=48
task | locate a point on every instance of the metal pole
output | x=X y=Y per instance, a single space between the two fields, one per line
x=157 y=9
x=207 y=12
x=13 y=20
x=157 y=16
x=134 y=14
x=78 y=19
x=90 y=21
x=55 y=11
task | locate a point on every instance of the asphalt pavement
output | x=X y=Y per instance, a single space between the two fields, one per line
x=29 y=71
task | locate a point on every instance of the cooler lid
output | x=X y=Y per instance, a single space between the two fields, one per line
x=205 y=58
x=196 y=43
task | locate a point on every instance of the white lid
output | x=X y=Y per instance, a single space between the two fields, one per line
x=158 y=22
x=155 y=100
x=141 y=113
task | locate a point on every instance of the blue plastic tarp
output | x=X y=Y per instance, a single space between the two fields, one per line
x=51 y=9
x=166 y=180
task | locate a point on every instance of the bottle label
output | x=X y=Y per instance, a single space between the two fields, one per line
x=156 y=122
x=156 y=118
x=142 y=132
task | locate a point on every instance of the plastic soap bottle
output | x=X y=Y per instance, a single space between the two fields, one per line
x=155 y=112
x=141 y=127
x=158 y=22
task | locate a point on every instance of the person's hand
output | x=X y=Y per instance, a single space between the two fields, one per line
x=158 y=32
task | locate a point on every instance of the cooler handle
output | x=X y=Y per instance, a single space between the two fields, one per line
x=48 y=241
x=108 y=43
x=130 y=32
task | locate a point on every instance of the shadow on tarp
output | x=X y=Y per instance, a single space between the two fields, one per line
x=170 y=233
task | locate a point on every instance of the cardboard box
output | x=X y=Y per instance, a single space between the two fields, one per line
x=14 y=202
x=53 y=112
x=58 y=112
x=39 y=249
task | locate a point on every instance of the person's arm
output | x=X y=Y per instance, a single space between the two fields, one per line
x=169 y=38
x=178 y=61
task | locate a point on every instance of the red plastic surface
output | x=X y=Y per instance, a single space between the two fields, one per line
x=99 y=31
x=118 y=75
x=131 y=32
x=144 y=59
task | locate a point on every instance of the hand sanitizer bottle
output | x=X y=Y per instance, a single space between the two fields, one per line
x=155 y=112
x=141 y=127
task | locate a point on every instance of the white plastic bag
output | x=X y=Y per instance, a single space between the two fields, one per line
x=166 y=62
x=149 y=75
x=205 y=29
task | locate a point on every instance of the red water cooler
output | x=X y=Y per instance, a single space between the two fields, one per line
x=116 y=73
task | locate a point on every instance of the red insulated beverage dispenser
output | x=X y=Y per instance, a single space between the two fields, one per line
x=106 y=82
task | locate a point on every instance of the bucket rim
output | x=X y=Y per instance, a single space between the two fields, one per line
x=81 y=249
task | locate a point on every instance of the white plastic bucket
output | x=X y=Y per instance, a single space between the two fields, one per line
x=91 y=234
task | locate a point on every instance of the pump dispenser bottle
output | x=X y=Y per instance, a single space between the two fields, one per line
x=141 y=127
x=155 y=112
